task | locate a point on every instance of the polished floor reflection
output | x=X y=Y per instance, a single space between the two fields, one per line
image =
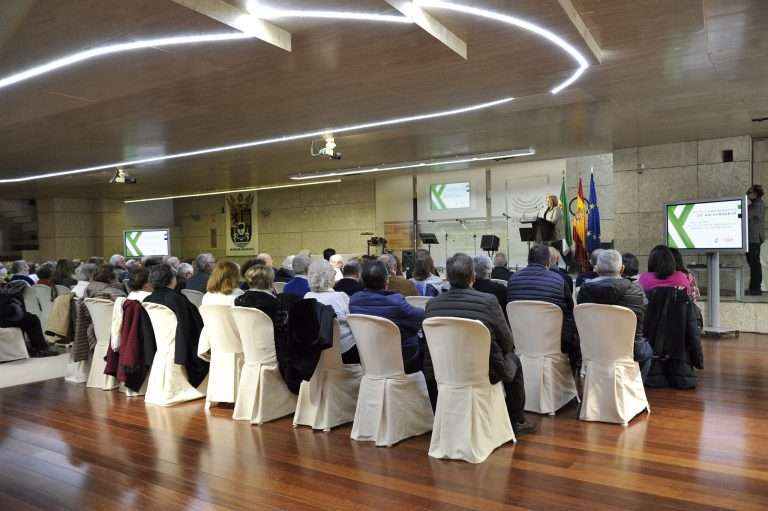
x=64 y=447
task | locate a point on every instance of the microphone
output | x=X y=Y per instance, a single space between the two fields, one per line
x=506 y=215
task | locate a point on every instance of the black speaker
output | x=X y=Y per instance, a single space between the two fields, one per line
x=407 y=260
x=489 y=242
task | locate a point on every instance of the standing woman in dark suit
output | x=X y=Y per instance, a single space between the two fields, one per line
x=756 y=221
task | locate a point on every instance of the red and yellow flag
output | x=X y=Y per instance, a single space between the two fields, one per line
x=580 y=229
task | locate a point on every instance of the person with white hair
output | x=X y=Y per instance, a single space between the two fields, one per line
x=299 y=285
x=183 y=274
x=20 y=271
x=173 y=262
x=265 y=259
x=484 y=284
x=321 y=280
x=609 y=288
x=285 y=272
x=204 y=264
x=338 y=263
x=585 y=276
x=84 y=275
x=117 y=260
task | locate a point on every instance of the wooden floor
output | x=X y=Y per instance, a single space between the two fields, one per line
x=65 y=447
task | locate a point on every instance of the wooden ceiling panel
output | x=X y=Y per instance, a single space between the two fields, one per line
x=671 y=71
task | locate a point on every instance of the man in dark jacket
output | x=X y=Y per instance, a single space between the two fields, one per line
x=484 y=284
x=376 y=300
x=536 y=282
x=461 y=301
x=350 y=283
x=189 y=323
x=204 y=265
x=13 y=315
x=609 y=288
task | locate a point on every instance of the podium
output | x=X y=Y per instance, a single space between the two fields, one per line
x=537 y=230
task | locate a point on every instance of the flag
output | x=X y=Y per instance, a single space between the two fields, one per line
x=593 y=220
x=580 y=229
x=566 y=215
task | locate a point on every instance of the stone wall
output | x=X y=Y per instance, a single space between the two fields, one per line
x=648 y=177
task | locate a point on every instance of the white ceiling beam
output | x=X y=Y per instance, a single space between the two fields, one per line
x=582 y=28
x=433 y=27
x=241 y=20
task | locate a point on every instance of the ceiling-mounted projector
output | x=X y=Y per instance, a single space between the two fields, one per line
x=327 y=151
x=121 y=178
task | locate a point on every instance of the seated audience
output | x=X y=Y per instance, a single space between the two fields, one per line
x=13 y=315
x=189 y=323
x=299 y=284
x=631 y=266
x=20 y=271
x=259 y=296
x=662 y=271
x=500 y=270
x=321 y=280
x=63 y=275
x=3 y=274
x=118 y=262
x=376 y=300
x=396 y=280
x=173 y=262
x=338 y=263
x=223 y=285
x=536 y=282
x=183 y=274
x=105 y=284
x=264 y=258
x=484 y=284
x=204 y=264
x=609 y=288
x=84 y=275
x=425 y=280
x=350 y=283
x=693 y=286
x=138 y=283
x=327 y=253
x=285 y=272
x=554 y=265
x=45 y=273
x=133 y=265
x=584 y=276
x=461 y=301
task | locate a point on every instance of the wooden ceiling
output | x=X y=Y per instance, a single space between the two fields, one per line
x=671 y=71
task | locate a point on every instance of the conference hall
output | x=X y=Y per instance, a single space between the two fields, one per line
x=356 y=255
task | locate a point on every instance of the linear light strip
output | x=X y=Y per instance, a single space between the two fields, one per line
x=255 y=143
x=420 y=164
x=269 y=13
x=238 y=190
x=119 y=48
x=526 y=25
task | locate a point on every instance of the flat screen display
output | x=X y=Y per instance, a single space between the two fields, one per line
x=147 y=242
x=444 y=196
x=707 y=226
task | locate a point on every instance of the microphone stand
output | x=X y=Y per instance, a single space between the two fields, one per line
x=509 y=236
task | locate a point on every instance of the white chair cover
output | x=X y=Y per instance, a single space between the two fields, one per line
x=168 y=383
x=418 y=301
x=226 y=354
x=37 y=301
x=613 y=385
x=12 y=345
x=471 y=419
x=329 y=398
x=279 y=286
x=536 y=328
x=62 y=290
x=101 y=315
x=193 y=296
x=263 y=395
x=391 y=405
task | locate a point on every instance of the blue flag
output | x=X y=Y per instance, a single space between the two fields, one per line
x=593 y=218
